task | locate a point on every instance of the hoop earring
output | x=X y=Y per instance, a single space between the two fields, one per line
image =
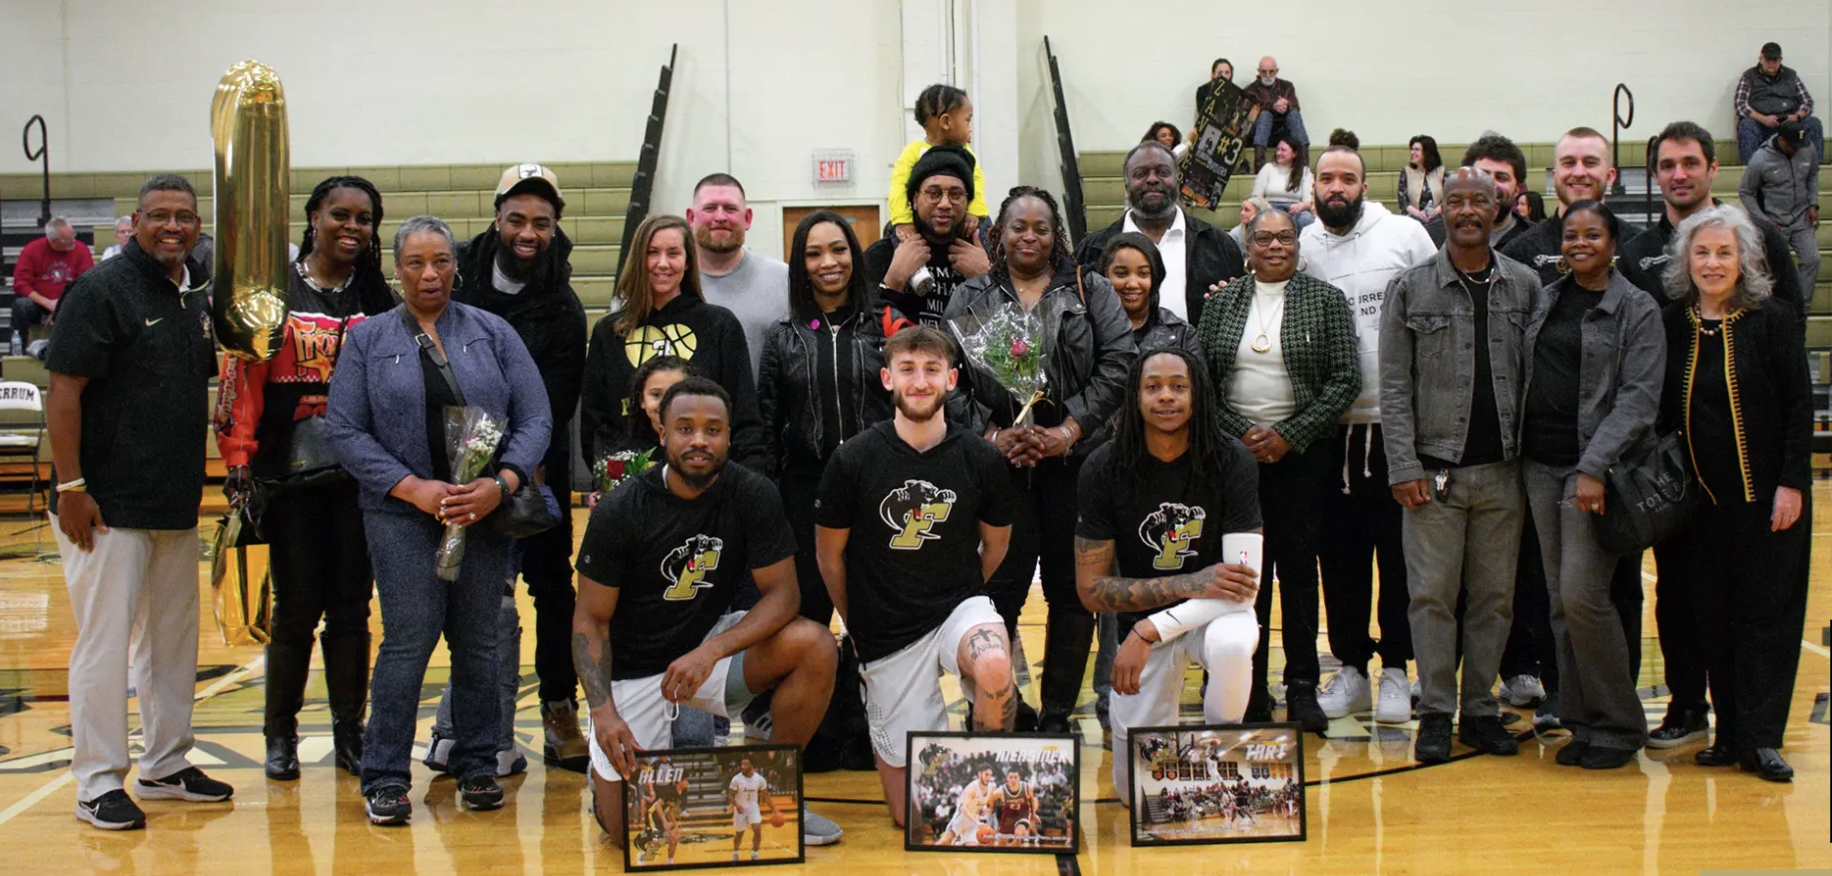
x=1563 y=265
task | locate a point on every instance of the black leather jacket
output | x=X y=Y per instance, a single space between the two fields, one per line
x=788 y=385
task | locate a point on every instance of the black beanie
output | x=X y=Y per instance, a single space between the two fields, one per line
x=953 y=161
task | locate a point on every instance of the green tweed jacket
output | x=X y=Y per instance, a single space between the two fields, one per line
x=1318 y=341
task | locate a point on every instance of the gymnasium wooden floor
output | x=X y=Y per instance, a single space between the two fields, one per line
x=1371 y=808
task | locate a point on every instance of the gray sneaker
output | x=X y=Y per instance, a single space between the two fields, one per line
x=817 y=830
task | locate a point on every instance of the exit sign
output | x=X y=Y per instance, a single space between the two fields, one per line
x=833 y=165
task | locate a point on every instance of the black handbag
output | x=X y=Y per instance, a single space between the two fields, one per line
x=307 y=460
x=1648 y=498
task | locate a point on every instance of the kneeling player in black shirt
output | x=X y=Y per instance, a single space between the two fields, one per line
x=914 y=515
x=1155 y=502
x=658 y=566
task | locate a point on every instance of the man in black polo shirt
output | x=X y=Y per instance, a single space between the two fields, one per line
x=918 y=276
x=654 y=629
x=131 y=359
x=913 y=517
x=1581 y=171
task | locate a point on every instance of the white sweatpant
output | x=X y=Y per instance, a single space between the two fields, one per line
x=1224 y=647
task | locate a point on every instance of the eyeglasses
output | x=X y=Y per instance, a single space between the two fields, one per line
x=1268 y=71
x=1282 y=238
x=161 y=217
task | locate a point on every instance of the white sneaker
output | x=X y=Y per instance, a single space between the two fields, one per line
x=1346 y=693
x=1522 y=691
x=1395 y=706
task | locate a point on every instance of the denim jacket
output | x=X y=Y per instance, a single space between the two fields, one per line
x=1428 y=360
x=1619 y=378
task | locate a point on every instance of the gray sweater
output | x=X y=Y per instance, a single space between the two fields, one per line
x=757 y=293
x=1781 y=187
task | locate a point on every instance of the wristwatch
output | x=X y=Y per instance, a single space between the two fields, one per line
x=501 y=485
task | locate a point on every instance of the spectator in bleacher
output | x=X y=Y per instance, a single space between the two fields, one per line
x=1359 y=246
x=125 y=512
x=1781 y=184
x=519 y=269
x=1530 y=206
x=1286 y=183
x=1737 y=386
x=270 y=414
x=1421 y=182
x=1451 y=372
x=1220 y=71
x=1166 y=134
x=1345 y=138
x=918 y=276
x=1248 y=209
x=123 y=231
x=1581 y=171
x=1685 y=165
x=45 y=268
x=1769 y=95
x=750 y=284
x=1503 y=161
x=1197 y=256
x=1276 y=114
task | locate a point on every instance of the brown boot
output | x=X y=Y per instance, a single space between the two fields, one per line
x=566 y=746
x=1259 y=158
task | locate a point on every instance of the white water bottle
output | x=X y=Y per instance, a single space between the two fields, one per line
x=18 y=348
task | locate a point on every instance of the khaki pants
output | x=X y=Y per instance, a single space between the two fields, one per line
x=135 y=601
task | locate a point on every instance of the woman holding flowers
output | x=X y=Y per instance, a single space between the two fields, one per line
x=398 y=372
x=1280 y=346
x=1048 y=349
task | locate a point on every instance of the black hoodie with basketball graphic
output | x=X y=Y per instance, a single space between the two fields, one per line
x=712 y=341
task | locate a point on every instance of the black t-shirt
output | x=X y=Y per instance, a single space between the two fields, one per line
x=1549 y=433
x=677 y=562
x=913 y=554
x=1165 y=522
x=1482 y=444
x=439 y=396
x=1712 y=426
x=925 y=309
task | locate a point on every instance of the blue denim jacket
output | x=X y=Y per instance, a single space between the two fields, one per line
x=376 y=415
x=1428 y=360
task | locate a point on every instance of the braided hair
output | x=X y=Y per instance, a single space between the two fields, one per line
x=1208 y=444
x=936 y=100
x=373 y=294
x=1059 y=232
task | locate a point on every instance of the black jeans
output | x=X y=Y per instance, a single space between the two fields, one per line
x=1681 y=644
x=320 y=560
x=800 y=488
x=1290 y=493
x=547 y=567
x=1360 y=527
x=1042 y=533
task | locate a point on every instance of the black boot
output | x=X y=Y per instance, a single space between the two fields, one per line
x=346 y=680
x=283 y=758
x=1259 y=158
x=288 y=663
x=1065 y=661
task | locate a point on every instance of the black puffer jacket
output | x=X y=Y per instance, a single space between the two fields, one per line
x=547 y=316
x=1085 y=362
x=794 y=395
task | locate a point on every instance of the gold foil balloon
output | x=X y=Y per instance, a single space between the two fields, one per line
x=253 y=206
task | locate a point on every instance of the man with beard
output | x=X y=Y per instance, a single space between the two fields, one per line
x=918 y=276
x=753 y=286
x=915 y=515
x=1197 y=256
x=1452 y=369
x=658 y=567
x=1359 y=246
x=518 y=269
x=1275 y=101
x=1507 y=166
x=1581 y=171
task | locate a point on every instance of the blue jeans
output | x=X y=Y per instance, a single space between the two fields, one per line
x=1751 y=134
x=1294 y=128
x=417 y=609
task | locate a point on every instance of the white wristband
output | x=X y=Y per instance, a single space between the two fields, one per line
x=71 y=485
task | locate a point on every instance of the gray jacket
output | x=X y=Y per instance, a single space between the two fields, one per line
x=1428 y=360
x=376 y=415
x=1620 y=375
x=1781 y=187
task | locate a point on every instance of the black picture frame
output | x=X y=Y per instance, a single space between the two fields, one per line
x=1286 y=765
x=1056 y=817
x=715 y=818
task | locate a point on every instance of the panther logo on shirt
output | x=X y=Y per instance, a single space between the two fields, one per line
x=910 y=510
x=1170 y=531
x=686 y=566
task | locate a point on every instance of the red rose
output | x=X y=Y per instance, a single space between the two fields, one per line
x=613 y=469
x=1019 y=347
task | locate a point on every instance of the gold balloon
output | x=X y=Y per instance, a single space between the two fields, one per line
x=253 y=206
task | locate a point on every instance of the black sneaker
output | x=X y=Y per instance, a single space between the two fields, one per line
x=1600 y=758
x=1433 y=745
x=1680 y=727
x=112 y=811
x=1302 y=708
x=1574 y=753
x=480 y=792
x=388 y=804
x=189 y=784
x=1484 y=733
x=1546 y=717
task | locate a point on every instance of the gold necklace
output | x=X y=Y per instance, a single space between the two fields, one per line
x=1263 y=342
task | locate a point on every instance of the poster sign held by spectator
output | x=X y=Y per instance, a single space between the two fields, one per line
x=1221 y=133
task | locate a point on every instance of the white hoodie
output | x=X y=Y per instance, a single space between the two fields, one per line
x=1362 y=263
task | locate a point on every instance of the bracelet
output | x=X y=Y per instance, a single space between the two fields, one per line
x=1066 y=436
x=76 y=486
x=501 y=485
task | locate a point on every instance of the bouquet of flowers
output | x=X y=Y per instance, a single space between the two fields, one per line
x=1008 y=346
x=471 y=439
x=614 y=470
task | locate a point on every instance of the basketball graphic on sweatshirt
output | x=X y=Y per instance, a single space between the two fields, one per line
x=649 y=341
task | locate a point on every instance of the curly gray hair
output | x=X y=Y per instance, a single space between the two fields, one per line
x=1754 y=282
x=420 y=225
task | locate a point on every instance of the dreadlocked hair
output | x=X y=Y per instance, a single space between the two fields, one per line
x=1059 y=232
x=936 y=100
x=1208 y=444
x=373 y=293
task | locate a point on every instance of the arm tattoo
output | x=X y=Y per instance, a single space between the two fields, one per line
x=1110 y=592
x=592 y=659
